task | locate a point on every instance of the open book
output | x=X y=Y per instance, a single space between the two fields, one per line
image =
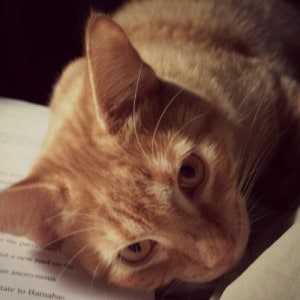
x=26 y=270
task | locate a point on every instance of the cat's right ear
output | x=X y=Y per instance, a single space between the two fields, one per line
x=27 y=208
x=118 y=76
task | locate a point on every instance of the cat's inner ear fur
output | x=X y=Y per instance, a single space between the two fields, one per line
x=27 y=209
x=115 y=69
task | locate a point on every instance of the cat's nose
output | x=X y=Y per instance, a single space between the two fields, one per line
x=216 y=255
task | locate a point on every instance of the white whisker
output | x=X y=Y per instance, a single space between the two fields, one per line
x=255 y=167
x=94 y=276
x=68 y=235
x=181 y=129
x=69 y=262
x=34 y=227
x=134 y=111
x=174 y=284
x=103 y=271
x=160 y=118
x=243 y=149
x=260 y=216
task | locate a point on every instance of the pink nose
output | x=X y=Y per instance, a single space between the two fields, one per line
x=217 y=254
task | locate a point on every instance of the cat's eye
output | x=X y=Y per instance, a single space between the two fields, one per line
x=191 y=173
x=137 y=252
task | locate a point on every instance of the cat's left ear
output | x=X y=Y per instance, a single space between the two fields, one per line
x=26 y=209
x=117 y=73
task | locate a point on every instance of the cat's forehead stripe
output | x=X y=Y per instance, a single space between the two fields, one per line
x=162 y=164
x=181 y=147
x=171 y=155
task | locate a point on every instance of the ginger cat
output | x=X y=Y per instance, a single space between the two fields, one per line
x=157 y=137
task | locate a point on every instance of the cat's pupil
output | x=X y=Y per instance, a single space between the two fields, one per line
x=135 y=248
x=187 y=171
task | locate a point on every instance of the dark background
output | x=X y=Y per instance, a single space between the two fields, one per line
x=37 y=39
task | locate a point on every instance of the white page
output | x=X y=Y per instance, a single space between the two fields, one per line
x=26 y=271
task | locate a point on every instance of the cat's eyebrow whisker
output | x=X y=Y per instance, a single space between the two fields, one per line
x=134 y=112
x=255 y=157
x=161 y=117
x=175 y=283
x=192 y=288
x=259 y=161
x=94 y=277
x=253 y=176
x=253 y=172
x=266 y=155
x=88 y=216
x=32 y=228
x=70 y=261
x=243 y=149
x=68 y=235
x=262 y=162
x=181 y=129
x=261 y=216
x=95 y=273
x=252 y=204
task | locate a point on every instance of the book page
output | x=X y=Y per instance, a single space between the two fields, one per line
x=26 y=270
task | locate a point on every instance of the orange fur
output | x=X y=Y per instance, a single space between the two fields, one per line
x=107 y=174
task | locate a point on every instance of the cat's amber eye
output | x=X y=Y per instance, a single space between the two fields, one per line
x=191 y=173
x=137 y=252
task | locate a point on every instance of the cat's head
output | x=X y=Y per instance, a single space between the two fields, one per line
x=138 y=178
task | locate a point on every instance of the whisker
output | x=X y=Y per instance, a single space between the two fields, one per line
x=52 y=217
x=257 y=168
x=175 y=283
x=95 y=272
x=32 y=228
x=267 y=156
x=251 y=205
x=160 y=118
x=68 y=235
x=70 y=261
x=255 y=172
x=182 y=128
x=243 y=149
x=256 y=212
x=45 y=221
x=134 y=112
x=62 y=214
x=260 y=216
x=258 y=156
x=94 y=277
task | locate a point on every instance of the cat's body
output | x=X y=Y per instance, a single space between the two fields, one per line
x=145 y=180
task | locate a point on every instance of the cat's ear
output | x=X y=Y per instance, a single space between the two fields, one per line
x=117 y=73
x=26 y=209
